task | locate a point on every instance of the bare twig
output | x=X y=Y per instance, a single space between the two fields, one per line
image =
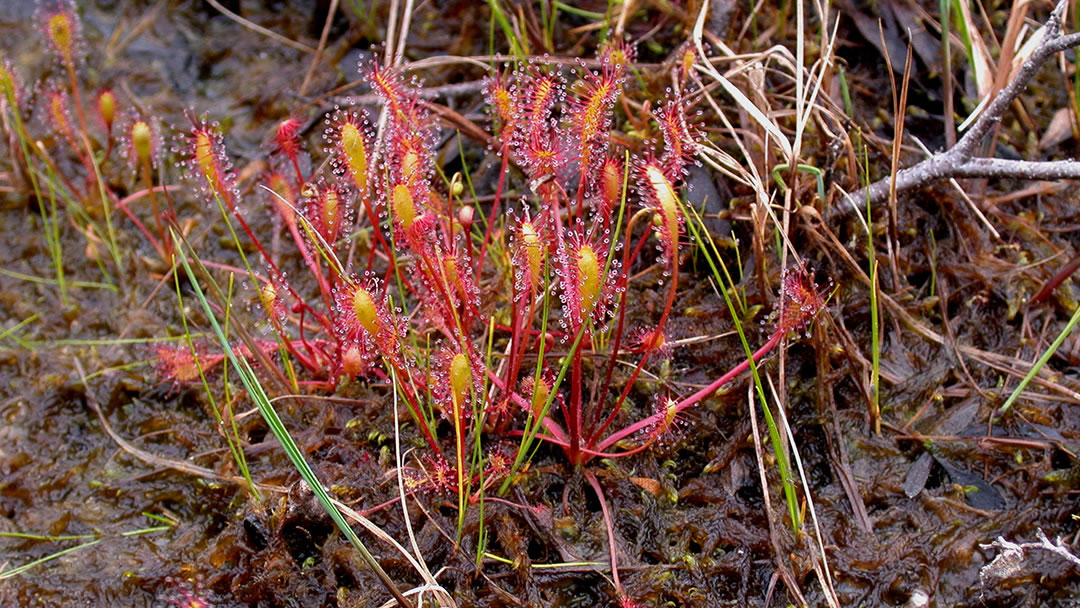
x=963 y=195
x=446 y=91
x=1009 y=562
x=153 y=459
x=260 y=29
x=960 y=160
x=322 y=47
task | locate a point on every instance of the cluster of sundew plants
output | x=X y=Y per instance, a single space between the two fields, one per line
x=49 y=124
x=463 y=314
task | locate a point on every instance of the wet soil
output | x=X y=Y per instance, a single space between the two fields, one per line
x=901 y=515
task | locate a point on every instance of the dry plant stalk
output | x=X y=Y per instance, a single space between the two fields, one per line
x=960 y=161
x=1009 y=562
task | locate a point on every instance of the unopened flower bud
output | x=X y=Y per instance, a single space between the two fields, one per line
x=352 y=361
x=268 y=296
x=92 y=250
x=465 y=216
x=687 y=61
x=142 y=141
x=540 y=396
x=107 y=108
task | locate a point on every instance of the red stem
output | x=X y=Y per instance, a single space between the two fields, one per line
x=518 y=341
x=1058 y=278
x=306 y=254
x=630 y=383
x=591 y=478
x=290 y=345
x=142 y=228
x=618 y=403
x=303 y=340
x=379 y=240
x=580 y=198
x=573 y=420
x=410 y=400
x=696 y=397
x=550 y=425
x=296 y=166
x=623 y=281
x=134 y=196
x=226 y=195
x=91 y=176
x=149 y=182
x=590 y=452
x=75 y=94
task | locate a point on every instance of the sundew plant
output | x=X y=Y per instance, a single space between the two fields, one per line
x=463 y=311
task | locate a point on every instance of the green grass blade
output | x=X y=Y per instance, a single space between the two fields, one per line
x=1035 y=369
x=48 y=558
x=235 y=447
x=14 y=328
x=782 y=463
x=516 y=48
x=875 y=320
x=43 y=281
x=277 y=427
x=6 y=574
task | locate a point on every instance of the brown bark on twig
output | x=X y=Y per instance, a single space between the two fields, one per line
x=960 y=161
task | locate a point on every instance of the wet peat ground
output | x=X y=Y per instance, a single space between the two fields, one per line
x=902 y=515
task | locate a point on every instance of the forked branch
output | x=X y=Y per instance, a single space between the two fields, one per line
x=960 y=160
x=1009 y=562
